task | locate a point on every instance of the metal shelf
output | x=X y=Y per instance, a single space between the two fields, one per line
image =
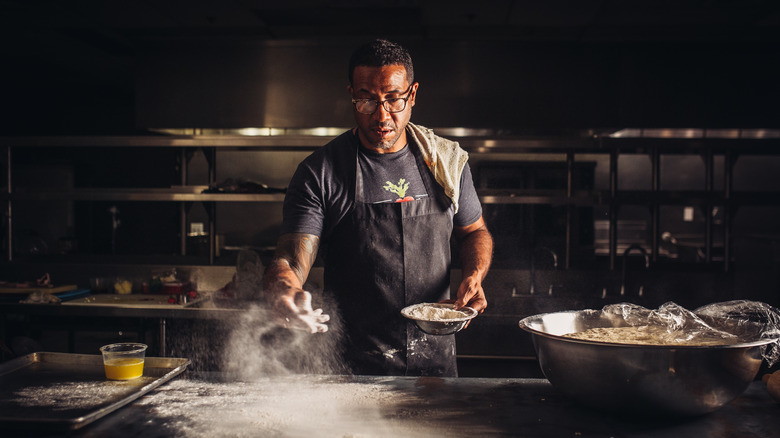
x=544 y=197
x=591 y=198
x=588 y=142
x=141 y=194
x=280 y=142
x=655 y=144
x=583 y=199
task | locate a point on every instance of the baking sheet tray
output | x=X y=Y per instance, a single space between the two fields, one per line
x=63 y=391
x=135 y=301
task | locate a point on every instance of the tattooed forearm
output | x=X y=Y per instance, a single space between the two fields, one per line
x=299 y=251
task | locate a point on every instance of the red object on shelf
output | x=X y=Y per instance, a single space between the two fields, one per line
x=175 y=287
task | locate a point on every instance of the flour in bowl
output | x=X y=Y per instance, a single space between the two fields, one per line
x=650 y=335
x=436 y=313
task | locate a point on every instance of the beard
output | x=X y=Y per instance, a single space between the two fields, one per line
x=388 y=143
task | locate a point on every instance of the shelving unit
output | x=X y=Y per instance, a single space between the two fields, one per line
x=728 y=144
x=576 y=284
x=182 y=194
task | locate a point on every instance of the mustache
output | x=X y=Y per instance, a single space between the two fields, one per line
x=386 y=125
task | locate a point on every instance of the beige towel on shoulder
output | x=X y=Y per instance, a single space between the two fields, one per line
x=444 y=158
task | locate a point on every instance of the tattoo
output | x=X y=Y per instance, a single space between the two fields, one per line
x=306 y=246
x=300 y=251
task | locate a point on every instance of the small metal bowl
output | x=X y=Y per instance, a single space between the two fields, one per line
x=677 y=380
x=439 y=327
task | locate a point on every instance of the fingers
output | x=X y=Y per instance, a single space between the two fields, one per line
x=307 y=323
x=479 y=303
x=303 y=301
x=304 y=317
x=319 y=317
x=311 y=323
x=471 y=294
x=314 y=327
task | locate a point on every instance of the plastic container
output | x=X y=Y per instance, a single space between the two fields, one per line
x=123 y=361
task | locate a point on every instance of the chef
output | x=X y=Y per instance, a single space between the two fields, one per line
x=381 y=203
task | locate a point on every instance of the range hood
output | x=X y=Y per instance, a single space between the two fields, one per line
x=491 y=85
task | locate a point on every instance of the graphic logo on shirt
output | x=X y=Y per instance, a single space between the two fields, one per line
x=399 y=189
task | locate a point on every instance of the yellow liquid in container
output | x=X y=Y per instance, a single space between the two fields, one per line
x=124 y=368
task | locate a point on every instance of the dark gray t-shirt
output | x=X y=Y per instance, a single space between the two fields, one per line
x=390 y=177
x=319 y=194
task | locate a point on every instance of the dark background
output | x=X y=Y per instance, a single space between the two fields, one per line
x=95 y=67
x=504 y=69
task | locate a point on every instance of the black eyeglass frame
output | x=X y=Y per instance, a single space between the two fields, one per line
x=408 y=93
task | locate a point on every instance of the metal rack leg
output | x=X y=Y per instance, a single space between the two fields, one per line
x=163 y=352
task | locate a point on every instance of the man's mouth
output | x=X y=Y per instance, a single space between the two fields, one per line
x=383 y=132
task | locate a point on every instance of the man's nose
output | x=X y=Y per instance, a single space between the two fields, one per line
x=380 y=113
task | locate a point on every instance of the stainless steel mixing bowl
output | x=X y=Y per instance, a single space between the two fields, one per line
x=639 y=379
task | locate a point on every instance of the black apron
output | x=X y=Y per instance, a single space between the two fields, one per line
x=382 y=258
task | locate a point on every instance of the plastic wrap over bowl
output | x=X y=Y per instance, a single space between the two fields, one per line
x=679 y=380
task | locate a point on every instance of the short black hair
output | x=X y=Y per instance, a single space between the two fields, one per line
x=380 y=53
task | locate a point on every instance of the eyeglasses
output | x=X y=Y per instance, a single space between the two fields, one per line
x=394 y=105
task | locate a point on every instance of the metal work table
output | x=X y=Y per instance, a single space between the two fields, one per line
x=303 y=406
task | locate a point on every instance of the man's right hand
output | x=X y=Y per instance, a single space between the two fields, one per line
x=283 y=283
x=294 y=311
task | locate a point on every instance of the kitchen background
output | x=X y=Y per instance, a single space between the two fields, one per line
x=623 y=151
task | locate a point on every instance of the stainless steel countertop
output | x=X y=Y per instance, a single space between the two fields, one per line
x=336 y=406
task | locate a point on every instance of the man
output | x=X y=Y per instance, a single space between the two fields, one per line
x=385 y=199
